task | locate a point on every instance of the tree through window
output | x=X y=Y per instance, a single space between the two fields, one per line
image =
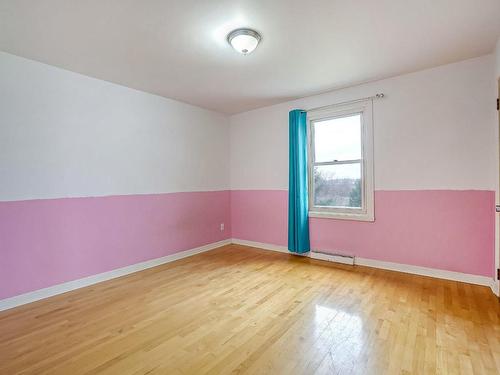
x=340 y=162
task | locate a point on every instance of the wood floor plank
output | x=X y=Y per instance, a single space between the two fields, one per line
x=243 y=310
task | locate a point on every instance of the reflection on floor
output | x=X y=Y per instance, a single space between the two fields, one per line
x=239 y=309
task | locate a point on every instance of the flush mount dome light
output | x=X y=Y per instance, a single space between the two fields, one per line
x=244 y=40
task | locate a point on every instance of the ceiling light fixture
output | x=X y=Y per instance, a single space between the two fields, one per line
x=244 y=40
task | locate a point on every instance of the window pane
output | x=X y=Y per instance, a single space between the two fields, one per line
x=338 y=139
x=338 y=185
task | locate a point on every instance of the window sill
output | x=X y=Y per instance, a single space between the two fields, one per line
x=342 y=216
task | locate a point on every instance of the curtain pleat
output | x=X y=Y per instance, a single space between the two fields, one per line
x=298 y=220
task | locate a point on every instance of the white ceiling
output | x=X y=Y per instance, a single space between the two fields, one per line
x=177 y=48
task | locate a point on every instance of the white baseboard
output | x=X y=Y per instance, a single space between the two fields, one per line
x=495 y=287
x=425 y=271
x=399 y=267
x=260 y=245
x=39 y=294
x=36 y=295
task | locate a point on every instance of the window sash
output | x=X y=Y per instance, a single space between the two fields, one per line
x=337 y=162
x=340 y=209
x=312 y=154
x=340 y=114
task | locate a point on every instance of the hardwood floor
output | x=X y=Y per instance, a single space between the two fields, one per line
x=243 y=310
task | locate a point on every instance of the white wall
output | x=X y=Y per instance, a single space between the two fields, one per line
x=63 y=134
x=433 y=130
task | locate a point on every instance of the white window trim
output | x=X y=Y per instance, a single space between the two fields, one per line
x=367 y=213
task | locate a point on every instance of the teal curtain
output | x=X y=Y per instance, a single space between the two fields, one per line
x=298 y=220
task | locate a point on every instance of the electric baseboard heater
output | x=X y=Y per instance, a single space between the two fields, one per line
x=338 y=258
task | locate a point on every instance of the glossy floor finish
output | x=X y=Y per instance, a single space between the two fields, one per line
x=243 y=310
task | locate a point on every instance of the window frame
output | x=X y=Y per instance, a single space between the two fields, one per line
x=367 y=211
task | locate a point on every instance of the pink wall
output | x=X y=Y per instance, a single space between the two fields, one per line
x=260 y=215
x=444 y=229
x=48 y=242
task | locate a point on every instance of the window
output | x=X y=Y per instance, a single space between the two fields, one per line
x=341 y=162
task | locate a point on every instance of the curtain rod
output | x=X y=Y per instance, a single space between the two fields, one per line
x=376 y=96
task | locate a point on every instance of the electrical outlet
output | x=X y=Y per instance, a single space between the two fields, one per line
x=222 y=227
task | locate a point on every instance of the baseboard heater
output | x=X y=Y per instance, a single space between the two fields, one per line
x=338 y=258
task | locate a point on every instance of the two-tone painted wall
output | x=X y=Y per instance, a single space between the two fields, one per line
x=436 y=163
x=95 y=176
